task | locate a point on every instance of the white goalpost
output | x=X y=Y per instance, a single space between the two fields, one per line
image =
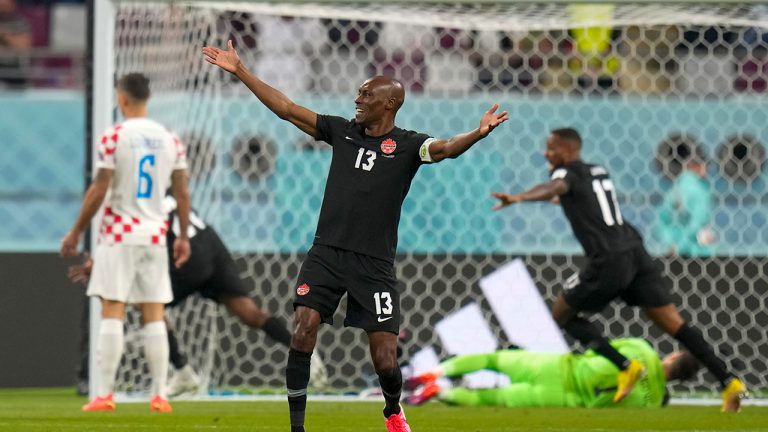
x=648 y=86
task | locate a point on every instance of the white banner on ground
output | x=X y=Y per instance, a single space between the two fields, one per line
x=521 y=311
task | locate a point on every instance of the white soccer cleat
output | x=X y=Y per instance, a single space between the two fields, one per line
x=184 y=381
x=318 y=374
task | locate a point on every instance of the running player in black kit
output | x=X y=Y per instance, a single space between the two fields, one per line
x=618 y=266
x=354 y=248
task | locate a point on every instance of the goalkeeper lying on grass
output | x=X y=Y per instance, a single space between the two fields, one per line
x=556 y=380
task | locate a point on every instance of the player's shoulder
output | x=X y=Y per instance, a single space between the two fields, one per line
x=336 y=122
x=145 y=125
x=569 y=170
x=596 y=170
x=409 y=136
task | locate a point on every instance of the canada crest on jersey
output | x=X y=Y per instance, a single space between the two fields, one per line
x=388 y=146
x=303 y=289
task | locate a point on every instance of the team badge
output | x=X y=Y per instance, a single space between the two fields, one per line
x=303 y=289
x=388 y=146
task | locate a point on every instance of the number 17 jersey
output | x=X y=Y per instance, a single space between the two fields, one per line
x=592 y=208
x=142 y=154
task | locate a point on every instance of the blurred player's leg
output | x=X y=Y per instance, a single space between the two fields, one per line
x=383 y=346
x=184 y=379
x=111 y=343
x=299 y=357
x=156 y=352
x=84 y=348
x=249 y=313
x=669 y=319
x=520 y=394
x=567 y=317
x=110 y=350
x=426 y=393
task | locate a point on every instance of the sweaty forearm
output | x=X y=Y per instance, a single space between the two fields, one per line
x=542 y=192
x=461 y=143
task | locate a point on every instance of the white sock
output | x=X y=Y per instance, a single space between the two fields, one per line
x=110 y=351
x=156 y=351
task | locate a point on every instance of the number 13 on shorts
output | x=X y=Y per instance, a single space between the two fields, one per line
x=383 y=302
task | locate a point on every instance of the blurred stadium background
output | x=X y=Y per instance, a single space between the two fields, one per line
x=649 y=86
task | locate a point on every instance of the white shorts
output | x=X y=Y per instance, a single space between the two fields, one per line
x=131 y=274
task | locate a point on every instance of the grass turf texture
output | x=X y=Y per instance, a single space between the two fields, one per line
x=59 y=410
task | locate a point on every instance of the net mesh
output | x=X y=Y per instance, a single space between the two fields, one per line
x=649 y=86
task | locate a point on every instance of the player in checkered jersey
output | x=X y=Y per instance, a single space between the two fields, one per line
x=137 y=161
x=212 y=273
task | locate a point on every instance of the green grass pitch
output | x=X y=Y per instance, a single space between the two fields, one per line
x=59 y=410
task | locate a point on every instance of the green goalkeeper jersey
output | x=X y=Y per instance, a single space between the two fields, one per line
x=594 y=376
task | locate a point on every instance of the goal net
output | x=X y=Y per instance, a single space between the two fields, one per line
x=648 y=86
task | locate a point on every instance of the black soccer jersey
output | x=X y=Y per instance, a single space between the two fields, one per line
x=199 y=266
x=367 y=183
x=592 y=208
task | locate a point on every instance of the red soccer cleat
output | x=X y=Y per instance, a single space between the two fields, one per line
x=429 y=391
x=100 y=404
x=419 y=380
x=160 y=404
x=397 y=422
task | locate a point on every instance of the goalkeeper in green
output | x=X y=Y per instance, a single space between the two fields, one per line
x=556 y=380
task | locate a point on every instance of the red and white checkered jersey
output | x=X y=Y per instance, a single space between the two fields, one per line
x=143 y=155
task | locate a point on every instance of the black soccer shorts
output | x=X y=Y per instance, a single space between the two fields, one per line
x=630 y=275
x=373 y=300
x=211 y=272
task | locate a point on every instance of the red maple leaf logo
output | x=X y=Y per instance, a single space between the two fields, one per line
x=303 y=289
x=388 y=146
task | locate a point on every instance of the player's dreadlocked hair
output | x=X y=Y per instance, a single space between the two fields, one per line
x=684 y=367
x=135 y=85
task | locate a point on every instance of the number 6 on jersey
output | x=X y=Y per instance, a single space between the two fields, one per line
x=144 y=186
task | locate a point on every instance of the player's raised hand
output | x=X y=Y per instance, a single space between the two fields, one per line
x=225 y=59
x=490 y=120
x=505 y=199
x=69 y=244
x=181 y=251
x=82 y=272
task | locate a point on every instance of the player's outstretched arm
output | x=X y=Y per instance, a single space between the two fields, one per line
x=541 y=192
x=180 y=190
x=453 y=147
x=91 y=203
x=277 y=102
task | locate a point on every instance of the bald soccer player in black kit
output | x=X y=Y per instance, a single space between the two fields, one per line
x=371 y=171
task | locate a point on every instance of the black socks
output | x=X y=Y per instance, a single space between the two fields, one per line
x=297 y=379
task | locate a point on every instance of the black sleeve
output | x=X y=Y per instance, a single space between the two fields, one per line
x=418 y=139
x=568 y=175
x=328 y=125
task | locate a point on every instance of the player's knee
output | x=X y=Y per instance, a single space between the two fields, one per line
x=304 y=333
x=385 y=362
x=386 y=368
